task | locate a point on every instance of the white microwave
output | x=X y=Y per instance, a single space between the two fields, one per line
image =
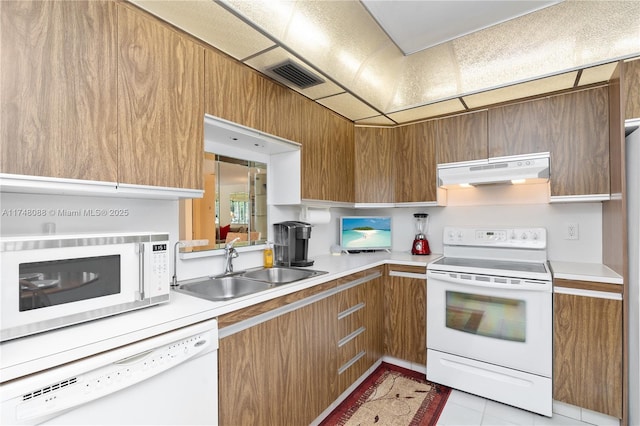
x=54 y=281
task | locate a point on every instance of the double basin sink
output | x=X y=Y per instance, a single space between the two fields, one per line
x=243 y=283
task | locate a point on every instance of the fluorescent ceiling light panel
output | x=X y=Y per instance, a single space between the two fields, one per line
x=417 y=25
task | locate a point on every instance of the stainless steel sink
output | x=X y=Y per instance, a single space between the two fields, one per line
x=243 y=283
x=281 y=275
x=223 y=288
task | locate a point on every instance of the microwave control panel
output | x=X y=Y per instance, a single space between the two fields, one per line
x=157 y=268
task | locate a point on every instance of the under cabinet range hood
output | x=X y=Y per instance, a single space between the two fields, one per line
x=519 y=169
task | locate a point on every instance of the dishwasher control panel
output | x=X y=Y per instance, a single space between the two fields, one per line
x=54 y=397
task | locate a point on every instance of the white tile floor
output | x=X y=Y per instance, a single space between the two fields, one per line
x=466 y=409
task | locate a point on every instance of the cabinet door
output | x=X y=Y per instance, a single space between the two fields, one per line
x=280 y=372
x=522 y=128
x=232 y=90
x=580 y=150
x=375 y=150
x=405 y=310
x=462 y=138
x=58 y=89
x=327 y=155
x=631 y=88
x=415 y=163
x=160 y=103
x=587 y=359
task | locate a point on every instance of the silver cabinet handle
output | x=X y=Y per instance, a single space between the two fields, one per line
x=140 y=271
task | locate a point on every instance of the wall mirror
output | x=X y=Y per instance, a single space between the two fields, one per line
x=234 y=204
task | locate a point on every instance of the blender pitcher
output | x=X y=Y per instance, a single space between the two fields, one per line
x=420 y=243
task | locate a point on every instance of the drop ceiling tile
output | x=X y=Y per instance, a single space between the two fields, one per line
x=349 y=106
x=432 y=110
x=211 y=23
x=522 y=90
x=338 y=37
x=405 y=21
x=279 y=55
x=380 y=120
x=597 y=74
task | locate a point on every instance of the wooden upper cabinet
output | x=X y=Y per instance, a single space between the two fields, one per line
x=415 y=163
x=462 y=138
x=631 y=88
x=282 y=111
x=327 y=155
x=374 y=172
x=521 y=128
x=231 y=90
x=160 y=103
x=58 y=89
x=341 y=145
x=580 y=149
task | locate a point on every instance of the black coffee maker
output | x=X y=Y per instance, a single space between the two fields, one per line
x=291 y=243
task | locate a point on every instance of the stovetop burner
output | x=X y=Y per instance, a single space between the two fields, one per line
x=503 y=265
x=504 y=252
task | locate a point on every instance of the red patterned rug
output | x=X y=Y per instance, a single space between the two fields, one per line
x=391 y=395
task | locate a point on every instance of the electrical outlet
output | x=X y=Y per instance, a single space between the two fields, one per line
x=571 y=231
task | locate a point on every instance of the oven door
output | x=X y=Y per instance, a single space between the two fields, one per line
x=500 y=324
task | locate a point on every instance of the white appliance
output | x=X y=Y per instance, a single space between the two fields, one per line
x=490 y=316
x=166 y=379
x=52 y=281
x=633 y=226
x=530 y=168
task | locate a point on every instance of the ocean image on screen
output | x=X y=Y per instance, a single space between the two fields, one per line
x=366 y=232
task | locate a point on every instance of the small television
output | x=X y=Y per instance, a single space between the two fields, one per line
x=365 y=233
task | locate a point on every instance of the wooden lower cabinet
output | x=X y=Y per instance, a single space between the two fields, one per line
x=587 y=342
x=278 y=372
x=405 y=310
x=285 y=370
x=360 y=327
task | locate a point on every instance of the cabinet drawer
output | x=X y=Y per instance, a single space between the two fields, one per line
x=354 y=320
x=352 y=371
x=351 y=345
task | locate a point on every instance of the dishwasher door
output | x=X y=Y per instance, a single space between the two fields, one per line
x=167 y=379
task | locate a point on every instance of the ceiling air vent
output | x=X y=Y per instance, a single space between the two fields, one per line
x=295 y=74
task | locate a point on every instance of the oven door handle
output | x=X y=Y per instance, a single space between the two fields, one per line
x=524 y=284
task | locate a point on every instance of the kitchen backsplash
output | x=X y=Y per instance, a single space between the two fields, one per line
x=28 y=214
x=553 y=217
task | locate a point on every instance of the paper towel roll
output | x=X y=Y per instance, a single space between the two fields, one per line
x=315 y=216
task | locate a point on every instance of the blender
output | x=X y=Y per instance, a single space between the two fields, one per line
x=420 y=243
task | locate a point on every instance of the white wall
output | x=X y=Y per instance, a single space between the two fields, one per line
x=162 y=215
x=134 y=214
x=553 y=217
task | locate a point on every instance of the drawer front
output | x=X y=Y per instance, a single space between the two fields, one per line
x=354 y=320
x=358 y=365
x=351 y=345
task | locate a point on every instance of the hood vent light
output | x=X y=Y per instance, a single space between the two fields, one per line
x=520 y=169
x=295 y=74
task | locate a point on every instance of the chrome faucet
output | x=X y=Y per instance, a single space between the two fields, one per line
x=183 y=243
x=230 y=253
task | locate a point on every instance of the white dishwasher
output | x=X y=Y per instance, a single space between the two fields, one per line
x=167 y=379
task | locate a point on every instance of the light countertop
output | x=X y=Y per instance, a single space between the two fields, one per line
x=30 y=354
x=595 y=272
x=46 y=350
